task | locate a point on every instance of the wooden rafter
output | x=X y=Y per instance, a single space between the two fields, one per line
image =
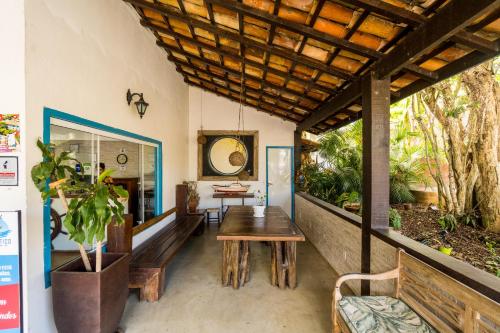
x=458 y=14
x=234 y=72
x=414 y=19
x=304 y=61
x=423 y=39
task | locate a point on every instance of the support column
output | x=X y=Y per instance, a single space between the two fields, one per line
x=297 y=152
x=376 y=135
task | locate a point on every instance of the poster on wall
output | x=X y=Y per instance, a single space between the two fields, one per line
x=10 y=134
x=9 y=175
x=10 y=272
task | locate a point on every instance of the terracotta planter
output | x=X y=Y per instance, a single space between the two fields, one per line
x=192 y=205
x=85 y=302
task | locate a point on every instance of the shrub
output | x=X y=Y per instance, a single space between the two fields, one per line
x=345 y=197
x=394 y=219
x=448 y=222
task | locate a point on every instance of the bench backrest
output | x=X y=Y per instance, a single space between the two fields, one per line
x=445 y=303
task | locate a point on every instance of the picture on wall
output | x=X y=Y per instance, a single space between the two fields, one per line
x=214 y=155
x=10 y=135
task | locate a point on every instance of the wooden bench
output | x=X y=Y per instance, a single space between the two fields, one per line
x=425 y=300
x=147 y=267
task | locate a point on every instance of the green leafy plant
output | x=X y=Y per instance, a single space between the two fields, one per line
x=394 y=219
x=469 y=218
x=51 y=169
x=91 y=211
x=494 y=263
x=448 y=222
x=347 y=198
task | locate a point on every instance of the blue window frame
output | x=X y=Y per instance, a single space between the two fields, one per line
x=51 y=114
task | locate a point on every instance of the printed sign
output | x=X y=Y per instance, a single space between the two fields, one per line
x=8 y=171
x=10 y=273
x=10 y=134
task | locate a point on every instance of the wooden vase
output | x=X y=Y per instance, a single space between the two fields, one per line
x=86 y=302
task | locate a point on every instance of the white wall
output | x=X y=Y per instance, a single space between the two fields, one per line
x=222 y=114
x=12 y=94
x=81 y=57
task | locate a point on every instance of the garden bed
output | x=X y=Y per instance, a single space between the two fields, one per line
x=475 y=246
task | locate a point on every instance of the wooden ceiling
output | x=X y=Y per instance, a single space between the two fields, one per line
x=296 y=58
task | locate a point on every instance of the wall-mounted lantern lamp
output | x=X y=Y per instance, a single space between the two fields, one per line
x=141 y=104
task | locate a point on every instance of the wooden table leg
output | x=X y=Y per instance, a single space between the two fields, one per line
x=284 y=264
x=235 y=263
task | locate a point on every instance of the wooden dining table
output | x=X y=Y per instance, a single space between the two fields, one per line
x=240 y=227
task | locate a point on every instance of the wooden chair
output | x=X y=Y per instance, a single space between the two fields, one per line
x=213 y=211
x=424 y=297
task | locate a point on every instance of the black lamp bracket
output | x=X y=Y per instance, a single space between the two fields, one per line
x=131 y=95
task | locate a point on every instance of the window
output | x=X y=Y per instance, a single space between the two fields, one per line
x=136 y=162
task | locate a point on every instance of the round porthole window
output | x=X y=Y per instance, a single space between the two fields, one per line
x=219 y=152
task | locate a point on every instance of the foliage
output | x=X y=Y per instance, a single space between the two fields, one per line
x=342 y=151
x=95 y=205
x=318 y=182
x=192 y=190
x=459 y=120
x=407 y=166
x=469 y=218
x=347 y=198
x=394 y=219
x=341 y=174
x=261 y=198
x=52 y=168
x=448 y=222
x=494 y=264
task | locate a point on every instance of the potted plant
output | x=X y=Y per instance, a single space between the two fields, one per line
x=258 y=209
x=89 y=294
x=193 y=197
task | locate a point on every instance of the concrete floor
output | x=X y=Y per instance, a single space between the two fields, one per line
x=195 y=300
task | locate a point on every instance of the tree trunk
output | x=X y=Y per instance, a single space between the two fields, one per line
x=485 y=92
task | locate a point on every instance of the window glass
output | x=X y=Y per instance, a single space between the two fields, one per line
x=123 y=158
x=134 y=168
x=82 y=146
x=149 y=182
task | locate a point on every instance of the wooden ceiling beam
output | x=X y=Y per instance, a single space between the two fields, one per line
x=238 y=101
x=311 y=33
x=286 y=114
x=270 y=39
x=297 y=28
x=244 y=41
x=212 y=21
x=235 y=72
x=448 y=21
x=451 y=18
x=250 y=89
x=255 y=64
x=237 y=57
x=415 y=20
x=314 y=17
x=341 y=101
x=468 y=61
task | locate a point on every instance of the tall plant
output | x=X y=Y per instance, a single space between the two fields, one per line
x=94 y=206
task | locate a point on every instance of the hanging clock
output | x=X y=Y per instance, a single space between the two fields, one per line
x=122 y=159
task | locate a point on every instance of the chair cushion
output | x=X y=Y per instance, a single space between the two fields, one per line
x=375 y=314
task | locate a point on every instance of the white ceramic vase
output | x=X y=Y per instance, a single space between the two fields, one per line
x=258 y=211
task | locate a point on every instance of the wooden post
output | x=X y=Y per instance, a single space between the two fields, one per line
x=181 y=199
x=235 y=263
x=297 y=152
x=376 y=109
x=284 y=264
